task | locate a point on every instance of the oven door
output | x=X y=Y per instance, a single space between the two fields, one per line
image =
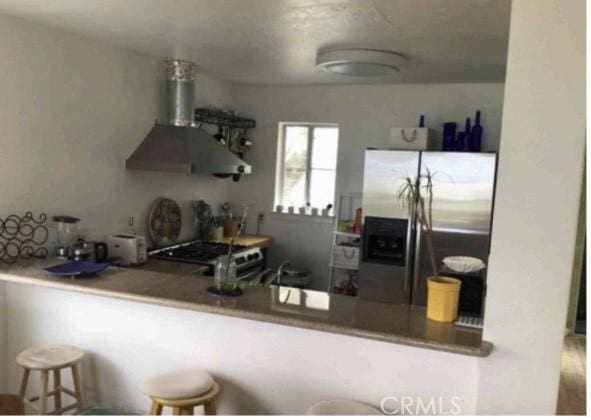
x=249 y=272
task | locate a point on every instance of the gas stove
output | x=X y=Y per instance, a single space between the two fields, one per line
x=249 y=261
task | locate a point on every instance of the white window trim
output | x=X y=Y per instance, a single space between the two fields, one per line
x=278 y=198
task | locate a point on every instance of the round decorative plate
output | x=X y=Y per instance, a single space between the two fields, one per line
x=164 y=222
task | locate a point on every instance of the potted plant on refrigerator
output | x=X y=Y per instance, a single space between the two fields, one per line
x=416 y=194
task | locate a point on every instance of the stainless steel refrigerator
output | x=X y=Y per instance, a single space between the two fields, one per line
x=394 y=262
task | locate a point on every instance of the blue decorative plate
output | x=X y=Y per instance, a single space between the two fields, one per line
x=76 y=268
x=212 y=290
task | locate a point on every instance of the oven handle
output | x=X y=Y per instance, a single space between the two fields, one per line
x=250 y=274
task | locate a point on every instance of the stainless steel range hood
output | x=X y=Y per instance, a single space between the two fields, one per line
x=179 y=146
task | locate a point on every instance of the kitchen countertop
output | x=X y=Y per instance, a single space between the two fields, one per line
x=155 y=284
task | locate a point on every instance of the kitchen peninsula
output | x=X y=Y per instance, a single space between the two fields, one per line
x=399 y=324
x=173 y=316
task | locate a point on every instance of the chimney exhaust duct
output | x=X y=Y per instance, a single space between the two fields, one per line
x=180 y=89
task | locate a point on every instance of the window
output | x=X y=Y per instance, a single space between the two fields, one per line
x=306 y=164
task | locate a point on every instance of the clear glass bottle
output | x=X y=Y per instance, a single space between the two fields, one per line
x=225 y=274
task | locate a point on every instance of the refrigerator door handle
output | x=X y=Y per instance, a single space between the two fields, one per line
x=416 y=271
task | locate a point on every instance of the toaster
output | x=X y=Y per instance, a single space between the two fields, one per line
x=129 y=249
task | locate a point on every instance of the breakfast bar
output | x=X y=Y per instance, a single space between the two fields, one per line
x=172 y=285
x=137 y=322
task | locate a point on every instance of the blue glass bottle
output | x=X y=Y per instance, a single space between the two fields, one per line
x=475 y=140
x=422 y=121
x=461 y=141
x=449 y=136
x=465 y=137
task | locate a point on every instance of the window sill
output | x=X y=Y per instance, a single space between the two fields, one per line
x=297 y=217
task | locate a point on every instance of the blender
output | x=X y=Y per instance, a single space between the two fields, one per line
x=67 y=234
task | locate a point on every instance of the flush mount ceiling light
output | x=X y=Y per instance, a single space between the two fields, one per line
x=360 y=62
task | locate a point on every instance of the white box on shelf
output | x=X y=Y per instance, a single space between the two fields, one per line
x=412 y=138
x=346 y=257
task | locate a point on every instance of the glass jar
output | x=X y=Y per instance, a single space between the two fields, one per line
x=225 y=274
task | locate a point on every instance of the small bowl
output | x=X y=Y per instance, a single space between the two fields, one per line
x=463 y=264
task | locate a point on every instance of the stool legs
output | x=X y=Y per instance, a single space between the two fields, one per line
x=57 y=383
x=156 y=409
x=43 y=392
x=77 y=385
x=22 y=389
x=209 y=408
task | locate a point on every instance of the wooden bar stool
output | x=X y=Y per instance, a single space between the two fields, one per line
x=182 y=391
x=46 y=359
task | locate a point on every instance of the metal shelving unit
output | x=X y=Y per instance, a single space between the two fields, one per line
x=344 y=256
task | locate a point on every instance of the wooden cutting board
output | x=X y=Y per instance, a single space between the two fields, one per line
x=251 y=240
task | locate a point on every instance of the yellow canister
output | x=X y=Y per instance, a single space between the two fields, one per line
x=443 y=294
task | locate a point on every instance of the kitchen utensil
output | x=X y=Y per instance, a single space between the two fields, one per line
x=80 y=252
x=97 y=251
x=101 y=252
x=76 y=269
x=463 y=264
x=201 y=219
x=164 y=222
x=217 y=233
x=295 y=277
x=128 y=249
x=231 y=228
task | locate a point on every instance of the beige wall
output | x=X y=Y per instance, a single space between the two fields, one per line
x=539 y=182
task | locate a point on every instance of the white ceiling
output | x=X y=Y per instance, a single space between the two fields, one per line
x=275 y=41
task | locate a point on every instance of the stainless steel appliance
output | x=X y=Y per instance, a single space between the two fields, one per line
x=249 y=261
x=394 y=265
x=128 y=249
x=181 y=146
